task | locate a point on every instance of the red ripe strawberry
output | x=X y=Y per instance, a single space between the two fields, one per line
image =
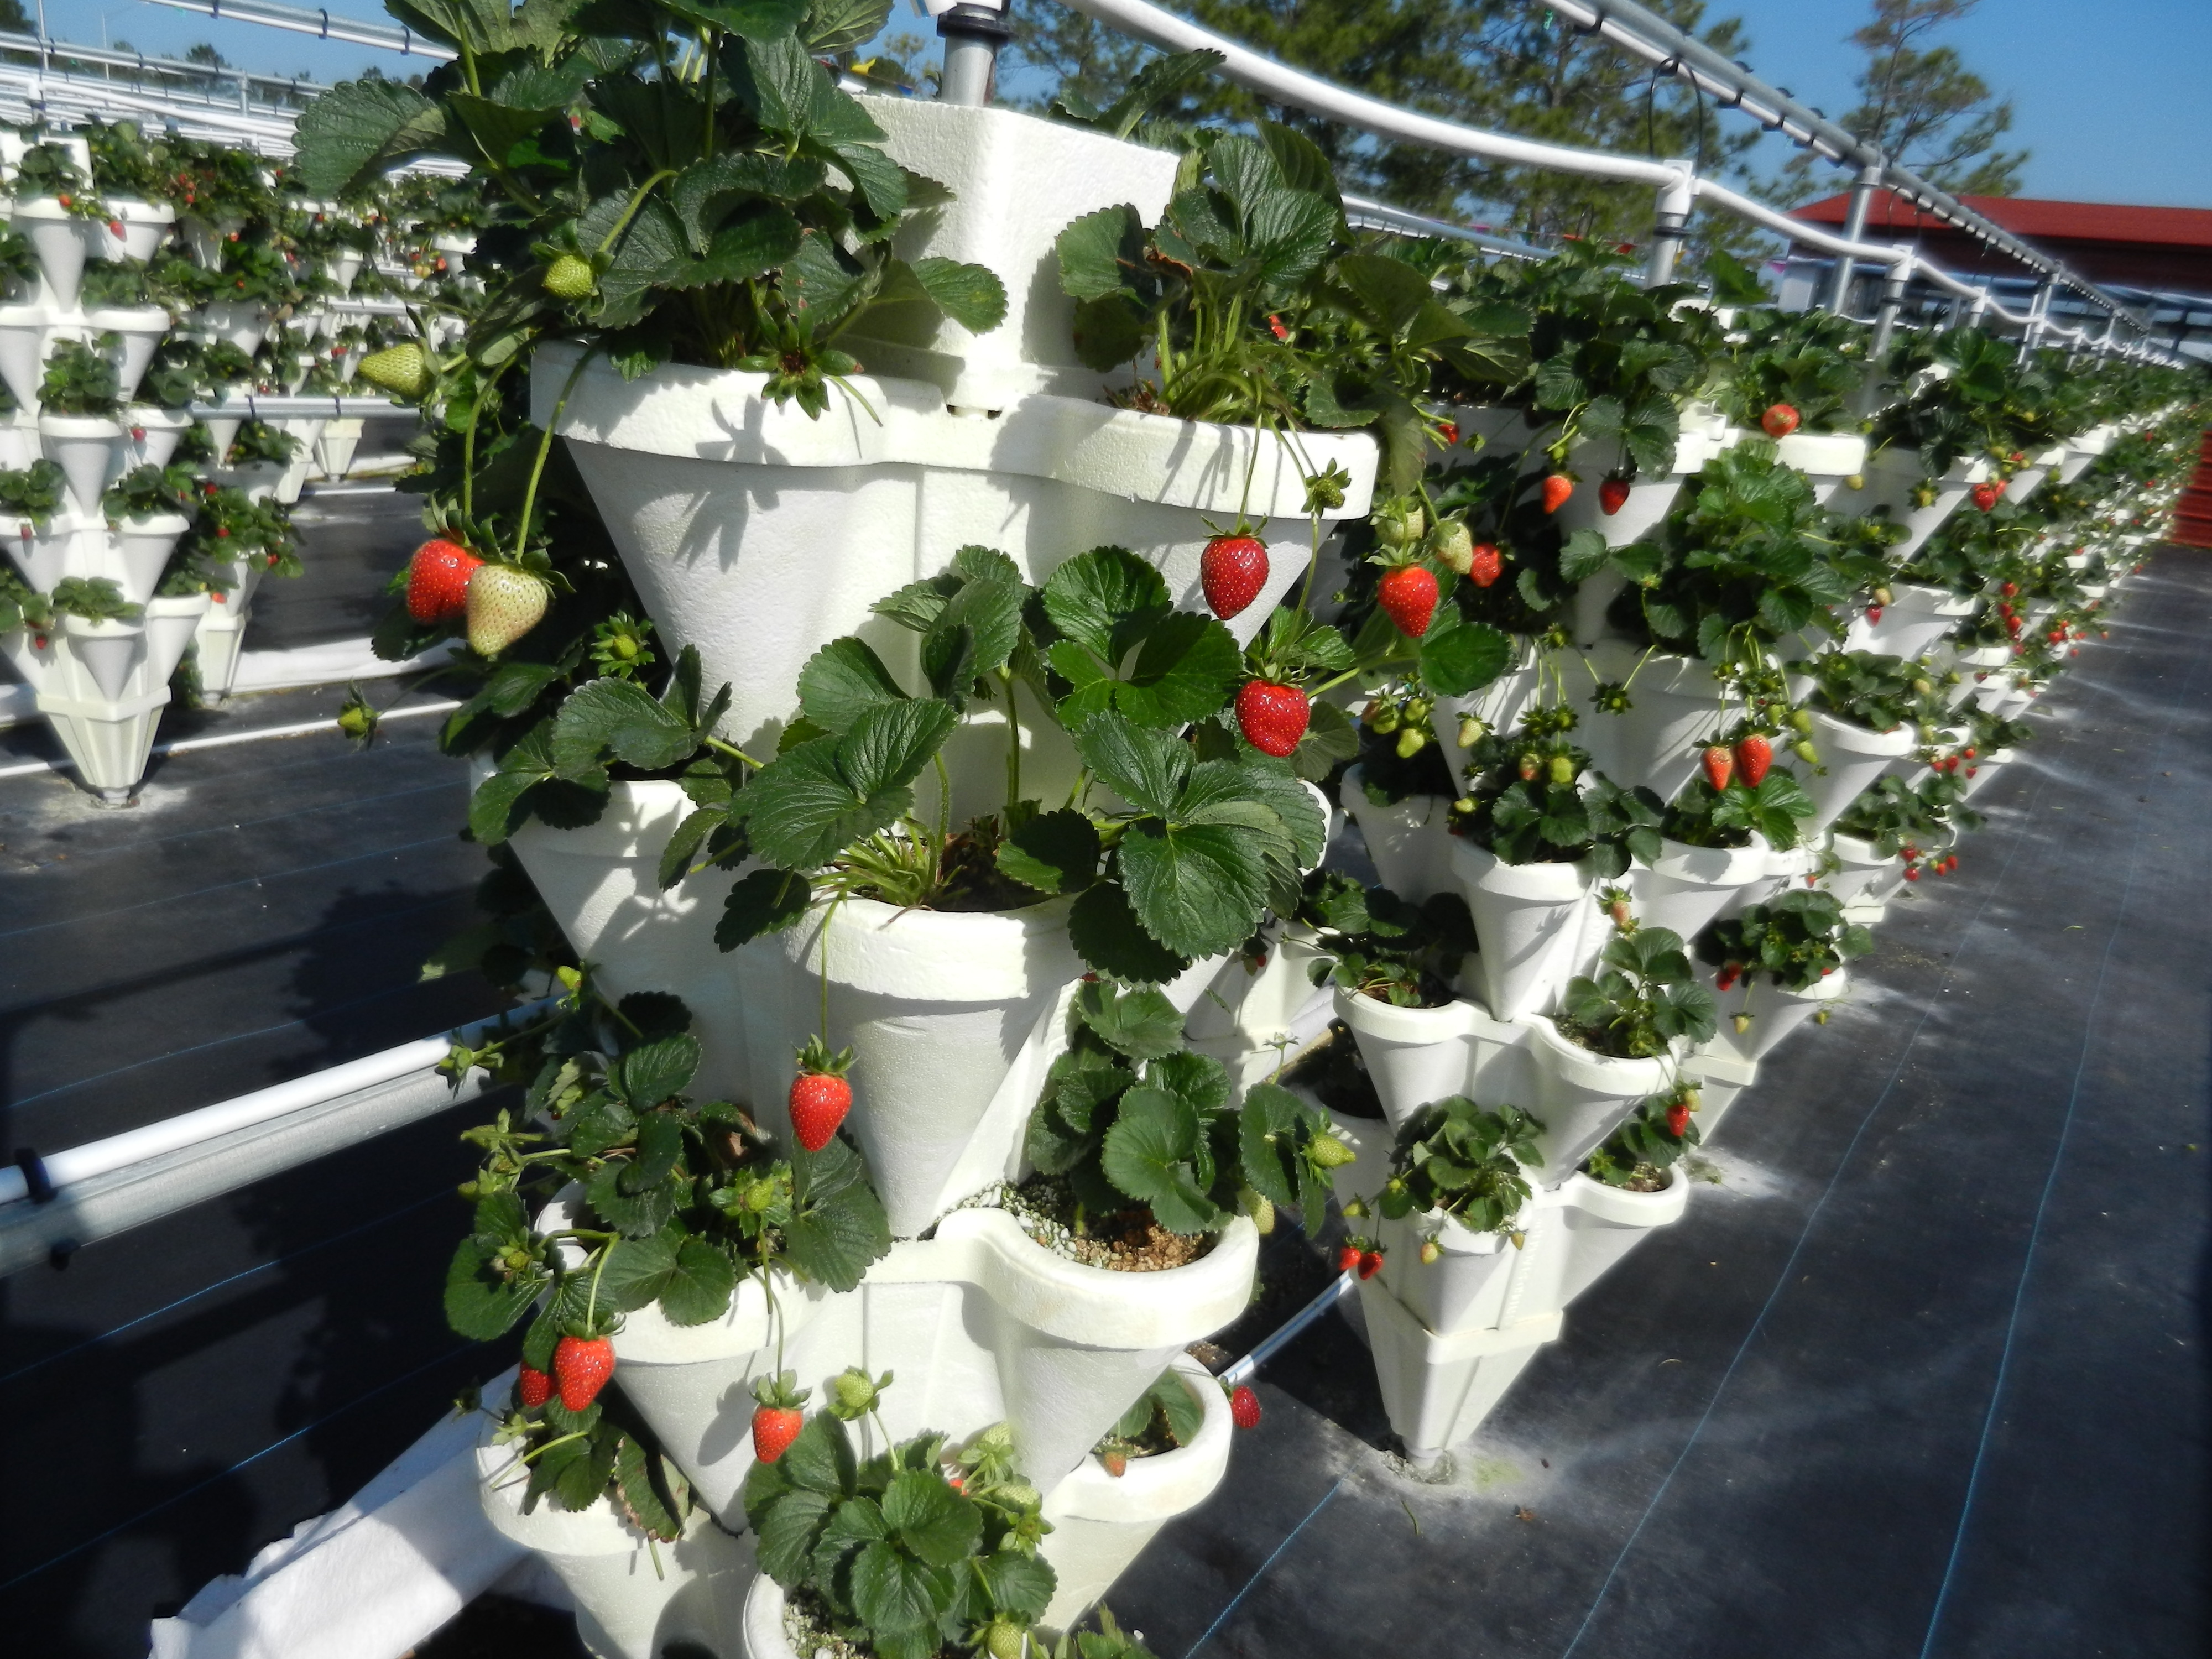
x=1968 y=752
x=1370 y=1263
x=1275 y=327
x=820 y=1096
x=1726 y=979
x=1874 y=613
x=1986 y=495
x=1348 y=1259
x=535 y=1387
x=1116 y=1462
x=1780 y=421
x=1557 y=488
x=582 y=1365
x=1272 y=717
x=2010 y=590
x=1408 y=594
x=438 y=580
x=1678 y=1118
x=1232 y=570
x=1243 y=1406
x=775 y=1427
x=1719 y=764
x=1487 y=565
x=1448 y=431
x=115 y=227
x=1612 y=496
x=1912 y=872
x=1753 y=756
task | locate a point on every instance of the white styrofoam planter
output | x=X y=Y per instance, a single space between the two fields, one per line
x=1463 y=1289
x=1688 y=886
x=23 y=351
x=19 y=440
x=45 y=556
x=170 y=625
x=1437 y=1389
x=936 y=1004
x=1775 y=1012
x=152 y=434
x=1972 y=665
x=241 y=323
x=1102 y=1523
x=721 y=504
x=141 y=548
x=1582 y=1096
x=1890 y=476
x=1675 y=706
x=335 y=449
x=1414 y=1056
x=62 y=242
x=89 y=450
x=138 y=329
x=1915 y=621
x=1851 y=758
x=145 y=226
x=108 y=649
x=1863 y=867
x=1976 y=777
x=203 y=237
x=629 y=1604
x=1018 y=180
x=602 y=884
x=1649 y=500
x=1409 y=840
x=1497 y=705
x=1527 y=919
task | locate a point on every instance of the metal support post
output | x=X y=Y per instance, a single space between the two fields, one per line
x=1671 y=223
x=1893 y=298
x=1839 y=290
x=973 y=32
x=2038 y=310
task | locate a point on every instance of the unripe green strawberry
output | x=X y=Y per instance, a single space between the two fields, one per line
x=1563 y=770
x=401 y=370
x=1805 y=751
x=1005 y=1639
x=1470 y=731
x=504 y=604
x=570 y=278
x=1451 y=545
x=1411 y=741
x=1330 y=1153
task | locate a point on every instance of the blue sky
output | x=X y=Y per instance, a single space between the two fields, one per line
x=2111 y=93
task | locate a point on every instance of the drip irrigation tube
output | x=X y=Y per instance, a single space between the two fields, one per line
x=225 y=740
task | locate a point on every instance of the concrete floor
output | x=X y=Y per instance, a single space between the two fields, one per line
x=1923 y=1373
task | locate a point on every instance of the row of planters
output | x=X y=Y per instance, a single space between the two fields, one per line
x=144 y=278
x=934 y=653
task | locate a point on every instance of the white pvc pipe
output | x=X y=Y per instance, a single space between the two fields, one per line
x=1758 y=213
x=174 y=1134
x=226 y=739
x=1249 y=69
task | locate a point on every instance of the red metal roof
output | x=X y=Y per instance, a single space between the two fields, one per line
x=2061 y=222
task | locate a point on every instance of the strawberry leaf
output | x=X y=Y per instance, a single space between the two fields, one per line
x=1106 y=933
x=764 y=901
x=700 y=1285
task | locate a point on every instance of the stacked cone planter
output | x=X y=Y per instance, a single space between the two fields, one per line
x=1528 y=919
x=1409 y=840
x=1774 y=1012
x=1891 y=477
x=720 y=503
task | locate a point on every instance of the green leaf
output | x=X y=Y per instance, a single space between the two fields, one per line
x=894 y=1593
x=1147 y=768
x=1106 y=933
x=659 y=1143
x=831 y=26
x=1459 y=659
x=1099 y=252
x=633 y=1214
x=1106 y=600
x=788 y=1527
x=763 y=901
x=636 y=1270
x=1186 y=1416
x=350 y=135
x=969 y=294
x=1142 y=1025
x=1021 y=1585
x=837 y=1227
x=1272 y=1127
x=621 y=718
x=1054 y=852
x=821 y=1458
x=810 y=803
x=480 y=1302
x=652 y=1072
x=634 y=1486
x=700 y=1286
x=888 y=746
x=1199 y=890
x=1185 y=669
x=934 y=1521
x=1148 y=1154
x=754 y=20
x=843 y=681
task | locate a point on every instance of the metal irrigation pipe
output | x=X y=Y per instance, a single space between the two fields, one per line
x=321 y=24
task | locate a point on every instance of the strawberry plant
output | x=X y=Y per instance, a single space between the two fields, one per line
x=1875 y=691
x=890 y=1553
x=1796 y=940
x=1642 y=1002
x=46 y=171
x=676 y=1200
x=1534 y=800
x=95 y=599
x=146 y=491
x=1745 y=559
x=113 y=284
x=1702 y=816
x=1383 y=946
x=258 y=442
x=125 y=166
x=1894 y=814
x=1133 y=1120
x=1163 y=1418
x=1638 y=1154
x=1454 y=1158
x=21 y=605
x=1811 y=363
x=79 y=381
x=578 y=1458
x=34 y=494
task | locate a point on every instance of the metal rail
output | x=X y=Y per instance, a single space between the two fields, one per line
x=318 y=23
x=1661 y=43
